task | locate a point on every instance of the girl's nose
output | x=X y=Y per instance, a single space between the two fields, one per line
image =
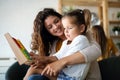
x=66 y=31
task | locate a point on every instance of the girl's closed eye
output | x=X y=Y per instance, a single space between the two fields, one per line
x=69 y=27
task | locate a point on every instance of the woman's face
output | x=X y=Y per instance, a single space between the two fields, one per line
x=54 y=26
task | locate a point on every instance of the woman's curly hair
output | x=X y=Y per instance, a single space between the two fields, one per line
x=41 y=38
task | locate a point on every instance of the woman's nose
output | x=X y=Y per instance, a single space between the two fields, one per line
x=54 y=26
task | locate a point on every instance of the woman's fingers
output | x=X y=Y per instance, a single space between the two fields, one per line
x=51 y=72
x=44 y=71
x=31 y=53
x=48 y=71
x=54 y=73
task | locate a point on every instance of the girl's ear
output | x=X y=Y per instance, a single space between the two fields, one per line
x=82 y=28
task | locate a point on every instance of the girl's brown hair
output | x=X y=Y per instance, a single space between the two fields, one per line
x=81 y=17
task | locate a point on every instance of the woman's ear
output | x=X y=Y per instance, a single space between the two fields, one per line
x=82 y=28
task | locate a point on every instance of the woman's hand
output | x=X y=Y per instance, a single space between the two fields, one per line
x=38 y=61
x=53 y=68
x=41 y=61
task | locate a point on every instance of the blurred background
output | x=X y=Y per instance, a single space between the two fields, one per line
x=17 y=16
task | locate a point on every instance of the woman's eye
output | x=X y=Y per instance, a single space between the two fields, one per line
x=49 y=27
x=57 y=20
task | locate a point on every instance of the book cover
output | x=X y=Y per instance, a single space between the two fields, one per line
x=19 y=50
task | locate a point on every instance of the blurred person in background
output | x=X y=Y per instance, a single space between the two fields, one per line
x=107 y=45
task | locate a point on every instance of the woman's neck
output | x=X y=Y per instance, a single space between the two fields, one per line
x=62 y=37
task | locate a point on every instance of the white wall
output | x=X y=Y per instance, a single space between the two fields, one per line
x=16 y=17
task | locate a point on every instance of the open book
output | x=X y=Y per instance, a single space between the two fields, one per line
x=19 y=50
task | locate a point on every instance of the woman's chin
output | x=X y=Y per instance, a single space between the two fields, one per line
x=60 y=34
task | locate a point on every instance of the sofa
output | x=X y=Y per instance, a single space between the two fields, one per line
x=110 y=70
x=16 y=71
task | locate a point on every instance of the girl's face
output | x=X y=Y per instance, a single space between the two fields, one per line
x=54 y=26
x=71 y=30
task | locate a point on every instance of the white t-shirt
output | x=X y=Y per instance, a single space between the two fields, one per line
x=79 y=71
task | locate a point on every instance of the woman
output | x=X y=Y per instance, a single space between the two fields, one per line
x=47 y=38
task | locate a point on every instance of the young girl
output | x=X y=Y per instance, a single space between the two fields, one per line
x=74 y=30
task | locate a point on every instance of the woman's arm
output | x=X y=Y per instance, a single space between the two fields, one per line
x=92 y=52
x=41 y=60
x=89 y=54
